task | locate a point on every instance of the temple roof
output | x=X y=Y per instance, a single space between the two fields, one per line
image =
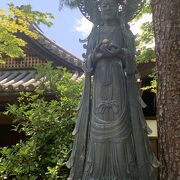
x=53 y=51
x=41 y=50
x=23 y=80
x=18 y=80
x=19 y=74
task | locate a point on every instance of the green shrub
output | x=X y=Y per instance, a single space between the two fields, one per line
x=46 y=117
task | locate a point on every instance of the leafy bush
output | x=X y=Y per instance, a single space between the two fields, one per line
x=46 y=116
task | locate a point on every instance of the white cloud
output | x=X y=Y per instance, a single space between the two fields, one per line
x=84 y=26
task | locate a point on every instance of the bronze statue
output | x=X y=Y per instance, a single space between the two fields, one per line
x=111 y=141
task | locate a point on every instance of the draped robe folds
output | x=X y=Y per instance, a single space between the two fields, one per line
x=111 y=139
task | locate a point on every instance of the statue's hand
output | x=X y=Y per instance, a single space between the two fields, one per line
x=105 y=52
x=109 y=50
x=106 y=49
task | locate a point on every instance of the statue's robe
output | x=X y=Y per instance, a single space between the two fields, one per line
x=111 y=140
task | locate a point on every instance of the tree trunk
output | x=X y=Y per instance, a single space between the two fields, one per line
x=166 y=19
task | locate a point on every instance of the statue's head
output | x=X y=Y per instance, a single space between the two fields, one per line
x=109 y=9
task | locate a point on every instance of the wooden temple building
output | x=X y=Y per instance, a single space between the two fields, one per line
x=17 y=75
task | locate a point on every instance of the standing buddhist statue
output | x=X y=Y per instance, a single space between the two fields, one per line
x=111 y=135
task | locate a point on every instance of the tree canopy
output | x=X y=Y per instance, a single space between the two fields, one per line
x=18 y=20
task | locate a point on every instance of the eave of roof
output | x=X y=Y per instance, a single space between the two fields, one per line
x=49 y=50
x=15 y=81
x=18 y=80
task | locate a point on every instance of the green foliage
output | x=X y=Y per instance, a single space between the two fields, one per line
x=145 y=44
x=145 y=39
x=153 y=83
x=152 y=87
x=147 y=36
x=146 y=9
x=47 y=125
x=146 y=55
x=18 y=20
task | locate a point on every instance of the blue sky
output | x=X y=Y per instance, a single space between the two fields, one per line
x=63 y=32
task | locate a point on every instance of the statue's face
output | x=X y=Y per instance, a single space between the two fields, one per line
x=109 y=10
